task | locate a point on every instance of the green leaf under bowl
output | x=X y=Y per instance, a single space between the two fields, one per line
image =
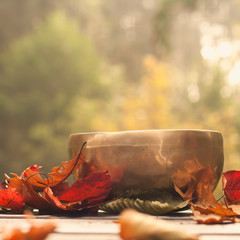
x=154 y=203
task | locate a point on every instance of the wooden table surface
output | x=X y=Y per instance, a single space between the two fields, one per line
x=102 y=227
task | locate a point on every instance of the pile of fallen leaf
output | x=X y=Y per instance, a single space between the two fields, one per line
x=51 y=194
x=206 y=209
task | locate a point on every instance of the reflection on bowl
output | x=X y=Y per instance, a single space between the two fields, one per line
x=141 y=161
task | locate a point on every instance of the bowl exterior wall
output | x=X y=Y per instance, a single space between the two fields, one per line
x=140 y=161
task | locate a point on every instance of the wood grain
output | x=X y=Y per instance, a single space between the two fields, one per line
x=102 y=227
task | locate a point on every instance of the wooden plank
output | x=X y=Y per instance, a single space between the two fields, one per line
x=101 y=226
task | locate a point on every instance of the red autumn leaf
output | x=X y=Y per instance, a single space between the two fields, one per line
x=60 y=188
x=94 y=187
x=34 y=200
x=10 y=198
x=231 y=185
x=92 y=190
x=53 y=201
x=3 y=185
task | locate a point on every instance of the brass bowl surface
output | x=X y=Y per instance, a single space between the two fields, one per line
x=140 y=161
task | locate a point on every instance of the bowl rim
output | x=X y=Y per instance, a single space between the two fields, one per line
x=150 y=130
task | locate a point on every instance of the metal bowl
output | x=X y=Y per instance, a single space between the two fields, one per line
x=141 y=161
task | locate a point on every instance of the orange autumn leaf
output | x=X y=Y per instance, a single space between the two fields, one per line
x=219 y=210
x=36 y=231
x=139 y=226
x=204 y=191
x=15 y=182
x=210 y=215
x=185 y=179
x=58 y=175
x=235 y=208
x=211 y=219
x=187 y=195
x=199 y=187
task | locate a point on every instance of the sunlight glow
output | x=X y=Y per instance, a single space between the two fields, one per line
x=234 y=74
x=217 y=49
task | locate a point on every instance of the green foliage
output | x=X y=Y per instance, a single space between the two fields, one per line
x=167 y=11
x=41 y=75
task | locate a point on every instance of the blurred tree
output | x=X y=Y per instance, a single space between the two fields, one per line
x=148 y=105
x=98 y=114
x=21 y=18
x=41 y=75
x=121 y=30
x=200 y=39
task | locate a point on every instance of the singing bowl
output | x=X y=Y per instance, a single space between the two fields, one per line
x=141 y=161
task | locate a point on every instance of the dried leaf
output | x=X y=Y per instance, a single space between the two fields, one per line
x=57 y=176
x=10 y=198
x=14 y=182
x=204 y=189
x=188 y=194
x=84 y=194
x=231 y=185
x=211 y=219
x=52 y=200
x=235 y=208
x=219 y=210
x=185 y=174
x=208 y=210
x=34 y=200
x=3 y=185
x=36 y=231
x=60 y=188
x=60 y=174
x=155 y=203
x=139 y=226
x=30 y=171
x=210 y=215
x=185 y=179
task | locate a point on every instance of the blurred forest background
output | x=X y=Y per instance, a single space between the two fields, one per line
x=71 y=66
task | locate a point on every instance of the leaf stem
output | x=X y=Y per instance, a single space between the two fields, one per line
x=43 y=173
